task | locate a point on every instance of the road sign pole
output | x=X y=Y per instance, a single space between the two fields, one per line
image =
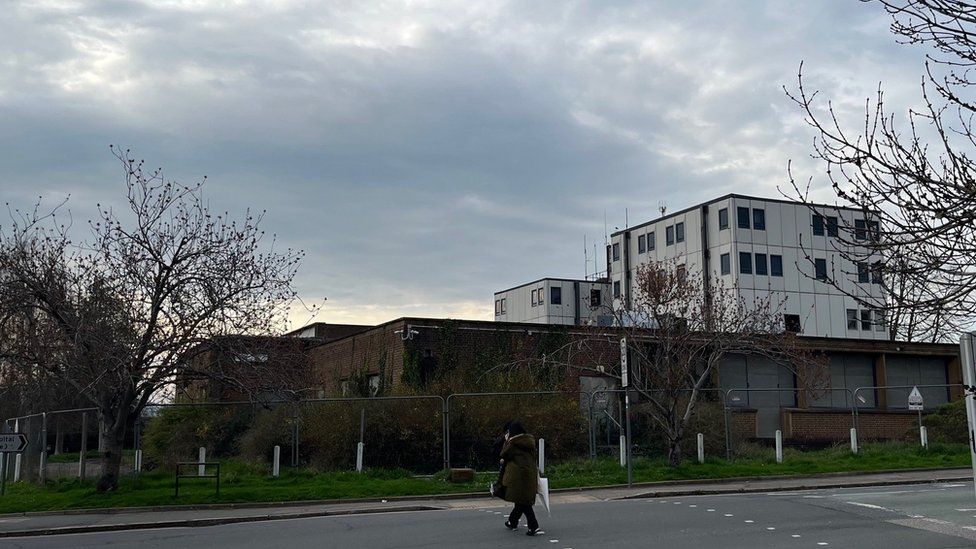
x=625 y=382
x=968 y=361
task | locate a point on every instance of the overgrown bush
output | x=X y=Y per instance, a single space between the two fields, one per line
x=177 y=433
x=948 y=423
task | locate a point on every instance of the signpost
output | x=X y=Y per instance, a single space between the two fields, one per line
x=624 y=383
x=915 y=403
x=10 y=443
x=968 y=360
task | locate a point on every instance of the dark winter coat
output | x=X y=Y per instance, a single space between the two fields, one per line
x=521 y=478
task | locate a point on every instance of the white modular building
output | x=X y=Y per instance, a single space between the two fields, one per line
x=556 y=301
x=752 y=247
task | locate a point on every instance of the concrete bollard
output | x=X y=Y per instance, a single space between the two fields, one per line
x=701 y=448
x=923 y=434
x=17 y=459
x=542 y=455
x=623 y=450
x=360 y=447
x=138 y=467
x=779 y=446
x=42 y=468
x=276 y=466
x=853 y=440
x=201 y=459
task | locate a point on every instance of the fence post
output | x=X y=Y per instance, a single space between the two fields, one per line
x=728 y=428
x=854 y=440
x=201 y=459
x=447 y=433
x=137 y=443
x=623 y=450
x=779 y=446
x=82 y=456
x=276 y=466
x=58 y=437
x=42 y=466
x=359 y=456
x=542 y=456
x=294 y=438
x=17 y=456
x=701 y=448
x=923 y=436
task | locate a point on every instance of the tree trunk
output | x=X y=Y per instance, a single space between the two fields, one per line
x=112 y=431
x=674 y=452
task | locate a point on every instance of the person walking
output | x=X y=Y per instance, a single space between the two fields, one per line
x=521 y=477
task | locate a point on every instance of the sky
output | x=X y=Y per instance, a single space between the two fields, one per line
x=427 y=154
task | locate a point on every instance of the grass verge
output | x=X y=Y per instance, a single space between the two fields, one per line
x=244 y=482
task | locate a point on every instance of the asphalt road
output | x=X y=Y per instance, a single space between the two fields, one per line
x=915 y=517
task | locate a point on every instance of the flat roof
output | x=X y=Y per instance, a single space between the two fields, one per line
x=726 y=197
x=552 y=278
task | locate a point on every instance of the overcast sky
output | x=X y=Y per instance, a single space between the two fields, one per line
x=426 y=154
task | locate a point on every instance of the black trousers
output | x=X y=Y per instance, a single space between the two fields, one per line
x=521 y=509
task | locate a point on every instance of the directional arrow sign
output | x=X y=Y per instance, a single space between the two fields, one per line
x=915 y=399
x=13 y=442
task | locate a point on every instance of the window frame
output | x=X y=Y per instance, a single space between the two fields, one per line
x=542 y=295
x=863 y=275
x=725 y=263
x=818 y=272
x=503 y=305
x=555 y=295
x=852 y=320
x=669 y=235
x=616 y=289
x=650 y=241
x=535 y=302
x=679 y=232
x=723 y=224
x=739 y=218
x=615 y=251
x=764 y=263
x=745 y=263
x=759 y=219
x=866 y=320
x=595 y=292
x=819 y=225
x=773 y=259
x=830 y=225
x=641 y=244
x=860 y=229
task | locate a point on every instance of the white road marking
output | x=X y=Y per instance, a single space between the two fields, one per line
x=795 y=536
x=677 y=503
x=749 y=521
x=770 y=527
x=847 y=495
x=729 y=514
x=822 y=543
x=965 y=510
x=869 y=506
x=710 y=510
x=692 y=506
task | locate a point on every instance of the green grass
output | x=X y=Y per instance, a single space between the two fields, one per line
x=243 y=482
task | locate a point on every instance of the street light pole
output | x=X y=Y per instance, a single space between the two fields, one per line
x=968 y=359
x=624 y=383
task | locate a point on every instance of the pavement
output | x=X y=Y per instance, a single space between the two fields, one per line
x=115 y=520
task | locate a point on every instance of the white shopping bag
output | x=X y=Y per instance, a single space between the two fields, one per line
x=543 y=493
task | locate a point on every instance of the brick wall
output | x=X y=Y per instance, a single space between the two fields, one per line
x=834 y=425
x=744 y=423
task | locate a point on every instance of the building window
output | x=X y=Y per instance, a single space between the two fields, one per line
x=723 y=219
x=594 y=297
x=679 y=232
x=759 y=219
x=726 y=263
x=879 y=323
x=682 y=272
x=831 y=226
x=866 y=320
x=818 y=225
x=743 y=214
x=876 y=273
x=792 y=323
x=776 y=265
x=503 y=305
x=535 y=300
x=374 y=384
x=745 y=263
x=860 y=229
x=820 y=268
x=761 y=267
x=616 y=288
x=862 y=273
x=542 y=296
x=874 y=230
x=669 y=235
x=650 y=241
x=616 y=251
x=498 y=306
x=641 y=244
x=851 y=319
x=556 y=295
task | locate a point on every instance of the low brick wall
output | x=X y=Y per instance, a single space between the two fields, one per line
x=834 y=425
x=744 y=423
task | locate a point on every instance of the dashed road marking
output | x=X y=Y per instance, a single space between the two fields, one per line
x=749 y=521
x=693 y=506
x=729 y=515
x=770 y=528
x=710 y=510
x=822 y=543
x=795 y=536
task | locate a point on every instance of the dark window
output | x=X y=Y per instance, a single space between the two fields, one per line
x=876 y=272
x=726 y=262
x=594 y=297
x=650 y=241
x=776 y=265
x=743 y=214
x=860 y=229
x=616 y=251
x=535 y=300
x=831 y=226
x=503 y=305
x=759 y=219
x=820 y=268
x=669 y=235
x=792 y=323
x=879 y=322
x=761 y=265
x=679 y=232
x=874 y=230
x=641 y=244
x=818 y=225
x=865 y=320
x=862 y=273
x=682 y=272
x=851 y=319
x=616 y=288
x=542 y=296
x=745 y=263
x=723 y=219
x=498 y=306
x=556 y=295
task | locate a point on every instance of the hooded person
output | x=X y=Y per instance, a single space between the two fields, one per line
x=521 y=476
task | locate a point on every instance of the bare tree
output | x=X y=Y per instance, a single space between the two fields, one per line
x=120 y=314
x=913 y=180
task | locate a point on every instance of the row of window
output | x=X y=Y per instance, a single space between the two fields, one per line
x=774 y=266
x=865 y=320
x=827 y=225
x=500 y=306
x=555 y=296
x=757 y=219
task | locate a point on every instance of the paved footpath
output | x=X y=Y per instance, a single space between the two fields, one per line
x=46 y=524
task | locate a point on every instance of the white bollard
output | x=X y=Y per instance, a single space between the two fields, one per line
x=853 y=440
x=201 y=459
x=138 y=461
x=276 y=466
x=359 y=456
x=701 y=448
x=17 y=468
x=779 y=446
x=623 y=450
x=924 y=436
x=542 y=455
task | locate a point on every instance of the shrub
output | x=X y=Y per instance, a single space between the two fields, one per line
x=948 y=423
x=177 y=433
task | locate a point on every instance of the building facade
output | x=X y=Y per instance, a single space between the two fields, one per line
x=759 y=248
x=560 y=301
